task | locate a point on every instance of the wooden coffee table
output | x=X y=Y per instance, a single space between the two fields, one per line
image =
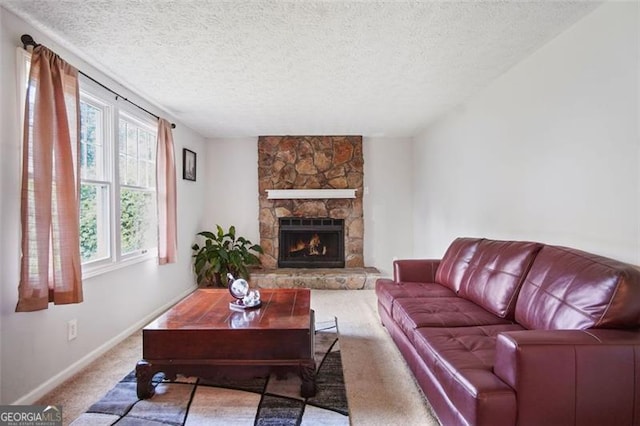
x=201 y=336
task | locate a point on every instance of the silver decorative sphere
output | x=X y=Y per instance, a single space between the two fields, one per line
x=239 y=288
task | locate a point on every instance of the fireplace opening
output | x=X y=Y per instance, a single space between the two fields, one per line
x=311 y=243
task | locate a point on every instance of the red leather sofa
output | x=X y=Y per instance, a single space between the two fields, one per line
x=512 y=332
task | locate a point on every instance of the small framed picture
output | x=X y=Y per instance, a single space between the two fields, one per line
x=188 y=164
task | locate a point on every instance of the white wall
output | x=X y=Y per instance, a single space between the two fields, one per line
x=232 y=194
x=548 y=152
x=388 y=203
x=36 y=355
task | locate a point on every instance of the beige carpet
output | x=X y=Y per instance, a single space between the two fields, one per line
x=380 y=387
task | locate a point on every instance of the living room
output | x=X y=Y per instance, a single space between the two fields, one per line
x=548 y=151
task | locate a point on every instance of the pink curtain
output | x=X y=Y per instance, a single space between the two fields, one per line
x=51 y=268
x=166 y=193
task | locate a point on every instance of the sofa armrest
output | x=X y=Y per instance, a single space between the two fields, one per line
x=572 y=376
x=415 y=270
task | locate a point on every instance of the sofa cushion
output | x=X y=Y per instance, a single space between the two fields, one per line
x=440 y=312
x=415 y=270
x=572 y=289
x=462 y=359
x=455 y=262
x=387 y=291
x=495 y=274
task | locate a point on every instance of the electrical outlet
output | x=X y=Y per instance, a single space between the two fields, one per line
x=72 y=329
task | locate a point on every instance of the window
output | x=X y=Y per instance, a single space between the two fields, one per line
x=118 y=216
x=137 y=167
x=95 y=184
x=118 y=220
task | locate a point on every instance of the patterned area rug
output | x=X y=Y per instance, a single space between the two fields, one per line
x=260 y=401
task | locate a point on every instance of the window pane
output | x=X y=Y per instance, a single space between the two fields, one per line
x=83 y=154
x=122 y=136
x=151 y=175
x=142 y=145
x=132 y=141
x=91 y=142
x=137 y=220
x=94 y=221
x=132 y=171
x=152 y=147
x=142 y=170
x=90 y=161
x=138 y=144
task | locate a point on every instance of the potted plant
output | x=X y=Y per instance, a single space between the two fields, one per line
x=222 y=253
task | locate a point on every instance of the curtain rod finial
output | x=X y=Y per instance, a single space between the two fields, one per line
x=173 y=125
x=27 y=40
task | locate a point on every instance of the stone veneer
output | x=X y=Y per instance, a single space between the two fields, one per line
x=318 y=278
x=311 y=162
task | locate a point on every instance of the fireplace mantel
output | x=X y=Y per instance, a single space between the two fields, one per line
x=298 y=194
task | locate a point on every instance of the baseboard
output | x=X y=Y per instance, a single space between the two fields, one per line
x=83 y=362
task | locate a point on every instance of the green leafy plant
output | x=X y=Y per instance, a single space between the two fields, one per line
x=221 y=253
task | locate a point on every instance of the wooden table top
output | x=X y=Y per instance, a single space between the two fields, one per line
x=208 y=309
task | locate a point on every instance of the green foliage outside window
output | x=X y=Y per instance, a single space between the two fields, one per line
x=88 y=223
x=136 y=231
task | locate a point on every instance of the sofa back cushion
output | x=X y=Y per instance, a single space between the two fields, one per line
x=455 y=262
x=572 y=289
x=495 y=274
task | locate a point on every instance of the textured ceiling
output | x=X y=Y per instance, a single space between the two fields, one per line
x=248 y=68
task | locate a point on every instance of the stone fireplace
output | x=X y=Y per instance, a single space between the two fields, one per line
x=311 y=163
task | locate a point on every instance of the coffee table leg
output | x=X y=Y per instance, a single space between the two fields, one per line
x=144 y=375
x=308 y=375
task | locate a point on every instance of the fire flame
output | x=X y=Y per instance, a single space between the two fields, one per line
x=314 y=243
x=313 y=246
x=300 y=245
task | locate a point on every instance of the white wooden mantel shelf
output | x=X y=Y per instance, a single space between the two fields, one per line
x=290 y=194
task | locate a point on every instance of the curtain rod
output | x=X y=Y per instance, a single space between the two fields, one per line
x=27 y=40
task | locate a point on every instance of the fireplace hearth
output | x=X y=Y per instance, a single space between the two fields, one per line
x=311 y=243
